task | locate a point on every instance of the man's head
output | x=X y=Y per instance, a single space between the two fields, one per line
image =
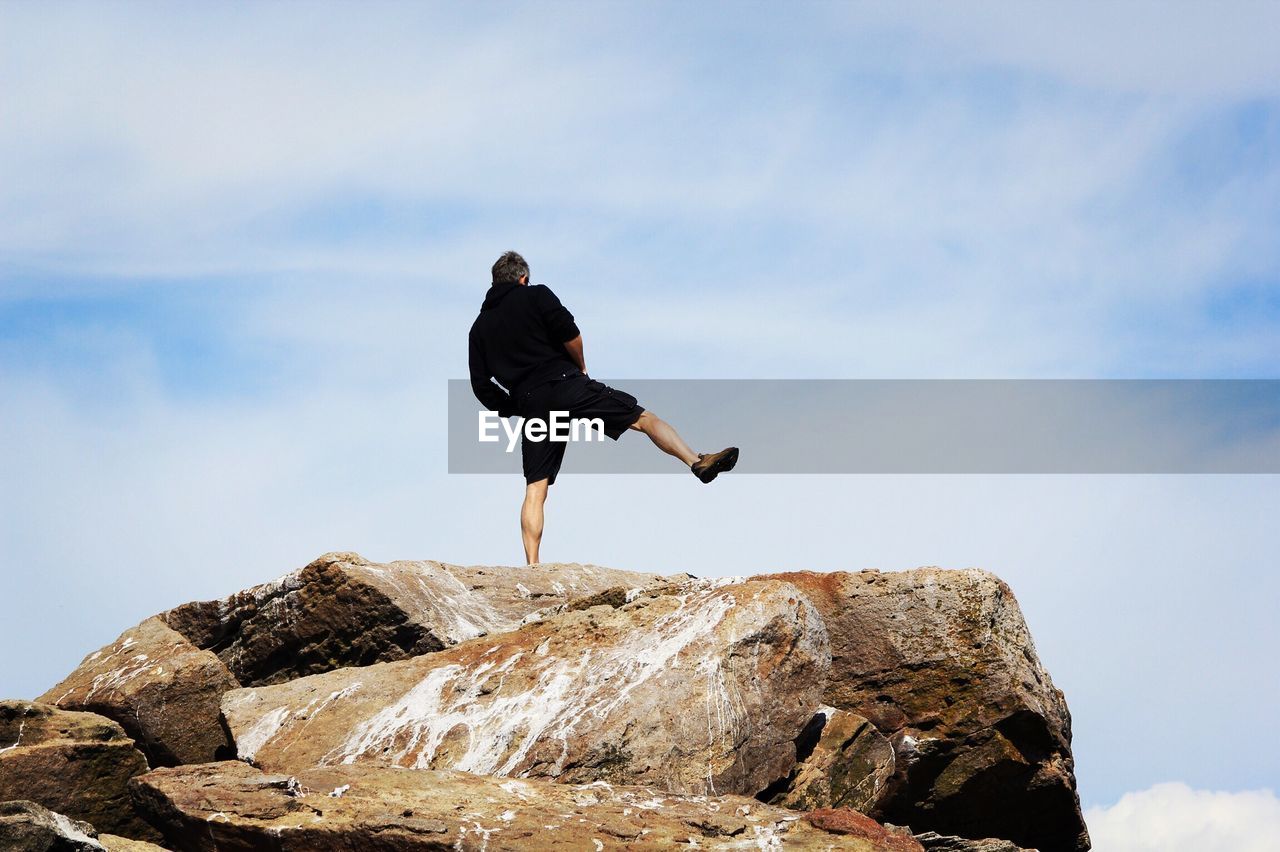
x=510 y=268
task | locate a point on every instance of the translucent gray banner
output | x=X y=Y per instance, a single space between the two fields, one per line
x=926 y=426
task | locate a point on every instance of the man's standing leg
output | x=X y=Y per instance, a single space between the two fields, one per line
x=535 y=494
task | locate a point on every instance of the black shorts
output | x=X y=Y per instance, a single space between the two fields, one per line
x=583 y=398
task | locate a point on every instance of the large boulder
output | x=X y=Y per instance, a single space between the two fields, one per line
x=703 y=690
x=73 y=763
x=943 y=663
x=163 y=680
x=28 y=827
x=340 y=808
x=164 y=692
x=343 y=610
x=844 y=763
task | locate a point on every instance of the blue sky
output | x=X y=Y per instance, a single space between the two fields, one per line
x=242 y=245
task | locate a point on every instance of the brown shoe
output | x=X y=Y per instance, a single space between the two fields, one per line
x=709 y=466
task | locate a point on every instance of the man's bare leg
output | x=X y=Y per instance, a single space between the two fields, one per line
x=535 y=494
x=664 y=437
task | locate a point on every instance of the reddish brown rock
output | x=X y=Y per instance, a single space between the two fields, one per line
x=699 y=691
x=343 y=610
x=943 y=663
x=845 y=763
x=162 y=690
x=340 y=808
x=851 y=823
x=72 y=763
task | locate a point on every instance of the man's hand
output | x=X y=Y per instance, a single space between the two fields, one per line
x=574 y=348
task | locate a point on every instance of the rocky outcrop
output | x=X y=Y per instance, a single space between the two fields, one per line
x=703 y=690
x=934 y=842
x=73 y=763
x=343 y=610
x=163 y=680
x=340 y=808
x=28 y=827
x=844 y=763
x=162 y=690
x=943 y=663
x=938 y=714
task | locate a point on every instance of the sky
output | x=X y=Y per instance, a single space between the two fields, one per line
x=242 y=244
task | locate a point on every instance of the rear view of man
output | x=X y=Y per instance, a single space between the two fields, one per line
x=529 y=342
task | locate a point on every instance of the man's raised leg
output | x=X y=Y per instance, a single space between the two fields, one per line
x=664 y=437
x=667 y=439
x=535 y=494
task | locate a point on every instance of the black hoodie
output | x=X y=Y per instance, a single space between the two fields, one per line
x=519 y=340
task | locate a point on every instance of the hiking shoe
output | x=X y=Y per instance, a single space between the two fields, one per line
x=709 y=466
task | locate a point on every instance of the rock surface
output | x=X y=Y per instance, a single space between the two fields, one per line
x=115 y=843
x=697 y=691
x=28 y=827
x=943 y=662
x=847 y=767
x=339 y=808
x=73 y=763
x=851 y=823
x=934 y=842
x=162 y=690
x=163 y=680
x=343 y=610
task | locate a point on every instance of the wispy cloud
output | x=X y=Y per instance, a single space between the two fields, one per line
x=1035 y=177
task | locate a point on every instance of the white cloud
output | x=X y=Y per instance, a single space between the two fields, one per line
x=1175 y=818
x=953 y=230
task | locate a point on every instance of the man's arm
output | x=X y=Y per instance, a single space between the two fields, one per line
x=560 y=325
x=574 y=348
x=492 y=397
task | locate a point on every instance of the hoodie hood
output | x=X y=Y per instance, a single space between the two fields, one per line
x=497 y=292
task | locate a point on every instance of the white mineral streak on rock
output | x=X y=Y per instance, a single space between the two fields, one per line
x=460 y=612
x=268 y=726
x=768 y=836
x=411 y=730
x=516 y=788
x=261 y=593
x=68 y=828
x=120 y=675
x=22 y=726
x=311 y=710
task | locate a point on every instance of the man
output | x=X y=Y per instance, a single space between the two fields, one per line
x=529 y=342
